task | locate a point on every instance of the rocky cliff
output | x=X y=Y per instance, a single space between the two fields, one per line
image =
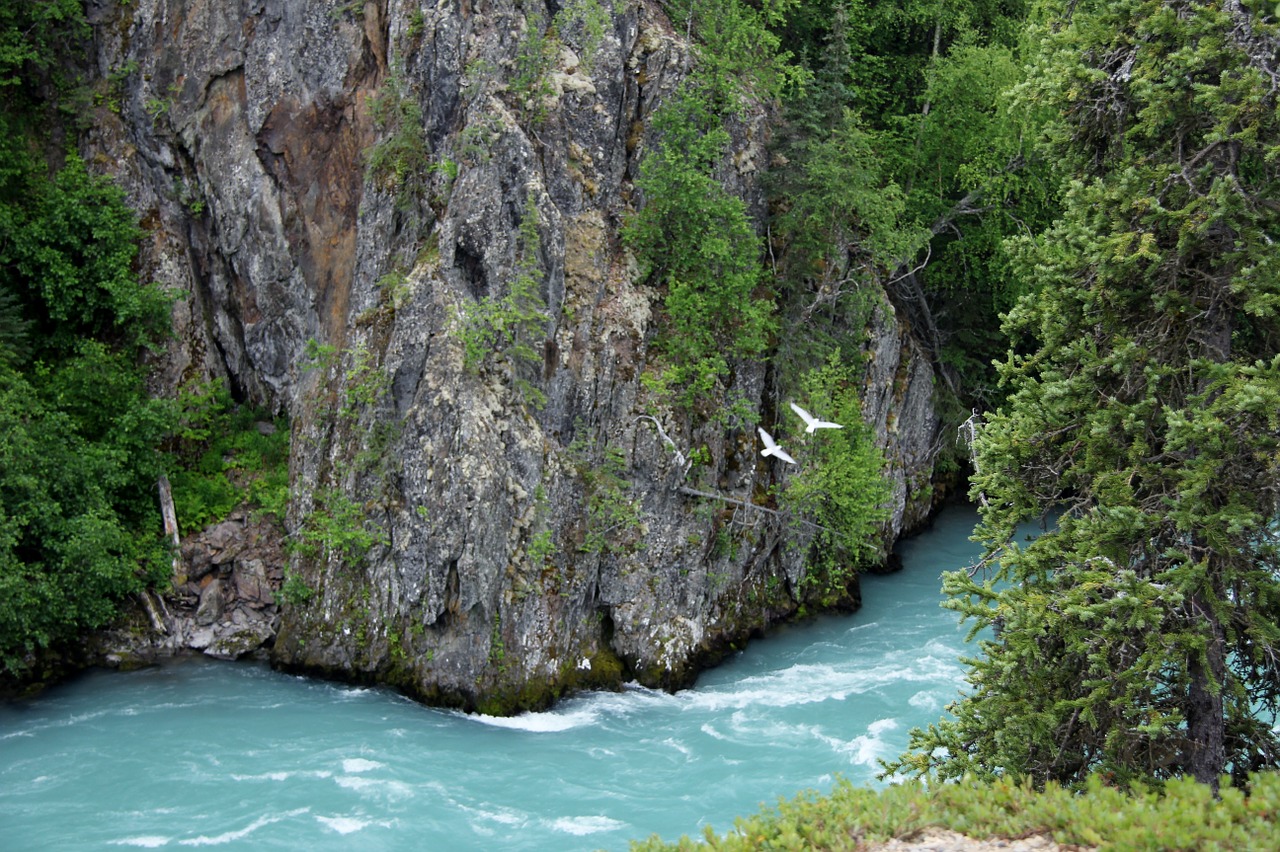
x=334 y=188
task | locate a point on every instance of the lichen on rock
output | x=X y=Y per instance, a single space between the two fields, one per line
x=463 y=539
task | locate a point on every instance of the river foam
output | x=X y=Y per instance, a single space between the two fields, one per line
x=238 y=756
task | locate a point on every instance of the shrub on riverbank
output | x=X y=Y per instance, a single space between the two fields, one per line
x=1182 y=815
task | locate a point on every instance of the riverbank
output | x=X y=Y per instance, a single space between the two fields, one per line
x=966 y=817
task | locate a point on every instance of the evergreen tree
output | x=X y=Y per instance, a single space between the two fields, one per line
x=1140 y=636
x=902 y=165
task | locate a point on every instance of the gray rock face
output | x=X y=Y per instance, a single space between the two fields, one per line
x=335 y=187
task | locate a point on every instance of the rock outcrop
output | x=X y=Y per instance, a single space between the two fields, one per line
x=224 y=603
x=334 y=187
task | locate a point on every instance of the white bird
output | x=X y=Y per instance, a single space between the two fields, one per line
x=771 y=447
x=813 y=422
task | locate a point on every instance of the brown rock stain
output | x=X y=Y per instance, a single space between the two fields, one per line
x=314 y=153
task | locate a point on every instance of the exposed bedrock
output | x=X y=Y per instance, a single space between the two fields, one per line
x=335 y=187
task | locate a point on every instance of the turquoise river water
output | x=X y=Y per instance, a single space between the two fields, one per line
x=200 y=753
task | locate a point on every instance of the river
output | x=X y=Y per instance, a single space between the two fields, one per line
x=201 y=753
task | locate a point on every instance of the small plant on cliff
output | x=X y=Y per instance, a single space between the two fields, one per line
x=364 y=382
x=417 y=26
x=536 y=56
x=510 y=325
x=541 y=547
x=583 y=22
x=400 y=162
x=612 y=514
x=394 y=288
x=339 y=528
x=539 y=49
x=295 y=590
x=318 y=356
x=497 y=650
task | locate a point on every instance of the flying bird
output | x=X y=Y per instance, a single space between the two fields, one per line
x=812 y=422
x=771 y=447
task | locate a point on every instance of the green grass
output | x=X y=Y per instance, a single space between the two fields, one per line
x=1183 y=815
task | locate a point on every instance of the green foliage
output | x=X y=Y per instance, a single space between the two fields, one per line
x=70 y=241
x=613 y=516
x=79 y=528
x=511 y=326
x=885 y=53
x=847 y=221
x=78 y=434
x=902 y=165
x=398 y=163
x=691 y=235
x=973 y=180
x=1182 y=815
x=37 y=40
x=695 y=239
x=1137 y=637
x=583 y=22
x=841 y=486
x=76 y=506
x=15 y=330
x=337 y=528
x=225 y=455
x=739 y=50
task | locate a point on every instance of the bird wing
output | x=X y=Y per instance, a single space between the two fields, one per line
x=770 y=446
x=812 y=422
x=808 y=418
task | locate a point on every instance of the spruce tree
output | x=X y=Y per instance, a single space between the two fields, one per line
x=1139 y=636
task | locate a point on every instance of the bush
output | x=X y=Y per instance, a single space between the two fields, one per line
x=79 y=527
x=221 y=458
x=1182 y=815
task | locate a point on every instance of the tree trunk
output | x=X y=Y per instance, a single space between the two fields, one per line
x=1206 y=756
x=1206 y=718
x=170 y=518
